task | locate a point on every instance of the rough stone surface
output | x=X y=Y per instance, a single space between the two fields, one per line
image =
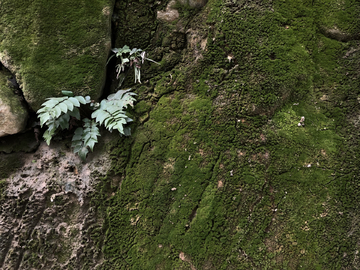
x=13 y=114
x=47 y=201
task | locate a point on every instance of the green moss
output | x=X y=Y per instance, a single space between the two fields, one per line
x=221 y=171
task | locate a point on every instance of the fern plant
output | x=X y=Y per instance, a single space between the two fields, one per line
x=85 y=138
x=111 y=111
x=134 y=57
x=57 y=112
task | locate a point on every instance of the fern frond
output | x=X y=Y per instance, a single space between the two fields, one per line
x=91 y=132
x=56 y=112
x=85 y=138
x=54 y=107
x=122 y=98
x=111 y=113
x=53 y=124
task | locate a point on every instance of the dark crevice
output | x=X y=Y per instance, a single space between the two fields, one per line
x=110 y=67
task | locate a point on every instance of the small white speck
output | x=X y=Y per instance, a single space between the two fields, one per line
x=231 y=173
x=173 y=189
x=189 y=157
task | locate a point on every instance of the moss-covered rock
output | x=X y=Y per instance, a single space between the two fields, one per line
x=240 y=161
x=54 y=46
x=244 y=152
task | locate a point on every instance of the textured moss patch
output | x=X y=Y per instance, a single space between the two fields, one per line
x=218 y=174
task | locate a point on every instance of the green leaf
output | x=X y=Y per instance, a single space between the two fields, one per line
x=63 y=107
x=81 y=99
x=83 y=153
x=52 y=102
x=69 y=105
x=64 y=121
x=110 y=58
x=67 y=93
x=75 y=113
x=152 y=61
x=78 y=134
x=74 y=101
x=44 y=118
x=56 y=112
x=127 y=131
x=48 y=134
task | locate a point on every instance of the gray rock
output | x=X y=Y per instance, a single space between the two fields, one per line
x=13 y=115
x=170 y=14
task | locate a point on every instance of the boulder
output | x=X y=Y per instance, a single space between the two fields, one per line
x=51 y=47
x=13 y=115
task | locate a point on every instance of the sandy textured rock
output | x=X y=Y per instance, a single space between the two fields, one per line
x=13 y=115
x=46 y=218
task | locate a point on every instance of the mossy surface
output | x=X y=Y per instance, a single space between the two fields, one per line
x=54 y=46
x=220 y=171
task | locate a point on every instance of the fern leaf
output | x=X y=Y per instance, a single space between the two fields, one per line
x=127 y=131
x=63 y=107
x=49 y=133
x=56 y=112
x=52 y=102
x=85 y=138
x=75 y=113
x=44 y=117
x=78 y=134
x=63 y=121
x=111 y=114
x=81 y=99
x=83 y=153
x=91 y=132
x=69 y=104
